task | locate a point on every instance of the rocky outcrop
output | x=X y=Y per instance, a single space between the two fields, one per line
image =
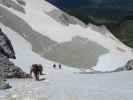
x=7 y=68
x=127 y=67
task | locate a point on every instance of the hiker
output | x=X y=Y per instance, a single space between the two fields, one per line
x=40 y=69
x=54 y=66
x=36 y=71
x=60 y=67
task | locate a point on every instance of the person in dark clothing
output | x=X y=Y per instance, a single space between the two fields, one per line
x=36 y=71
x=60 y=67
x=40 y=69
x=54 y=66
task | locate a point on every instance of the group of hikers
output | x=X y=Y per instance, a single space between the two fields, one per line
x=37 y=70
x=55 y=66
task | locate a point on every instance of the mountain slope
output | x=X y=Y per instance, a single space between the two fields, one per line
x=62 y=84
x=70 y=44
x=66 y=84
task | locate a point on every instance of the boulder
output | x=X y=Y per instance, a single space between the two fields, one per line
x=127 y=67
x=4 y=84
